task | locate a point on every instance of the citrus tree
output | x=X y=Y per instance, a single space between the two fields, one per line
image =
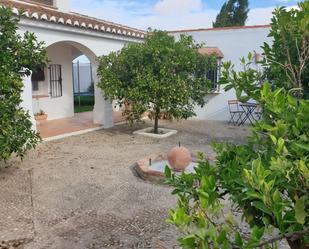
x=19 y=55
x=266 y=182
x=257 y=193
x=161 y=74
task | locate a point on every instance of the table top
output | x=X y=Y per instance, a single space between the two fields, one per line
x=248 y=104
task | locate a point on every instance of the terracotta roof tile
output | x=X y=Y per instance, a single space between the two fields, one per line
x=211 y=51
x=47 y=13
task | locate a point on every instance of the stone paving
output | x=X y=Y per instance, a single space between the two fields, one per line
x=81 y=193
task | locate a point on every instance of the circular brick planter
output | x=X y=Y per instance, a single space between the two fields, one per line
x=148 y=170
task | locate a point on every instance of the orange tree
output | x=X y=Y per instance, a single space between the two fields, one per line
x=18 y=55
x=160 y=74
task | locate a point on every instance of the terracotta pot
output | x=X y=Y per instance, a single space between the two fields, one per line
x=40 y=117
x=127 y=106
x=179 y=158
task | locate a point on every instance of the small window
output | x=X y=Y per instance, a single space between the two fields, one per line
x=213 y=75
x=36 y=76
x=55 y=79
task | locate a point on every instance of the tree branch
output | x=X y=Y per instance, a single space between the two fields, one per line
x=293 y=235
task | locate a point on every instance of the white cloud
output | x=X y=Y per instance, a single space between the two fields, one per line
x=262 y=15
x=172 y=22
x=162 y=14
x=166 y=7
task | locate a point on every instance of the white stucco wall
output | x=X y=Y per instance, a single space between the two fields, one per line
x=234 y=43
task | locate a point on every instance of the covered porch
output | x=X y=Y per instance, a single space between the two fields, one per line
x=48 y=96
x=79 y=123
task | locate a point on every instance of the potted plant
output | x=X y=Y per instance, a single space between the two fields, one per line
x=40 y=116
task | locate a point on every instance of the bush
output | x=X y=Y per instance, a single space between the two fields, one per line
x=19 y=55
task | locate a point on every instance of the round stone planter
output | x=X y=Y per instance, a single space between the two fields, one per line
x=152 y=168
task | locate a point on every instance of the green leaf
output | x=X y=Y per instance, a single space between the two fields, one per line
x=257 y=233
x=261 y=206
x=276 y=196
x=238 y=240
x=167 y=172
x=188 y=241
x=303 y=146
x=274 y=139
x=303 y=169
x=222 y=237
x=300 y=212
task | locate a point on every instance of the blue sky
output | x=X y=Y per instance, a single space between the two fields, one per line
x=171 y=14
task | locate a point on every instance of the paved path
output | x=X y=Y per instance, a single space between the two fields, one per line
x=81 y=193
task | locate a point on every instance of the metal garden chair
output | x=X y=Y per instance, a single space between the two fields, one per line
x=235 y=112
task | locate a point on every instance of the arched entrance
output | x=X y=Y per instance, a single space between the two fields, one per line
x=52 y=93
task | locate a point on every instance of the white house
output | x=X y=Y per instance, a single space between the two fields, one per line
x=67 y=35
x=230 y=44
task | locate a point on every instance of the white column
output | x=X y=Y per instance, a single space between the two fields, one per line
x=27 y=100
x=103 y=109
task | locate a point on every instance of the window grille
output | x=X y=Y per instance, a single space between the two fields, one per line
x=55 y=78
x=213 y=75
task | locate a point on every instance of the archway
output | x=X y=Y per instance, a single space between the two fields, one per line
x=53 y=93
x=83 y=85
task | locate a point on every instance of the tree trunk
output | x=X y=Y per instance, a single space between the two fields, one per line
x=156 y=123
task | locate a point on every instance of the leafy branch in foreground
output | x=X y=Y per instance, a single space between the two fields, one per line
x=19 y=55
x=266 y=182
x=257 y=193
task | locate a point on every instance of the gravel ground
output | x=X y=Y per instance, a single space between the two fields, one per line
x=80 y=192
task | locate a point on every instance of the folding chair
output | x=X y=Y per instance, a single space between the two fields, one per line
x=235 y=112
